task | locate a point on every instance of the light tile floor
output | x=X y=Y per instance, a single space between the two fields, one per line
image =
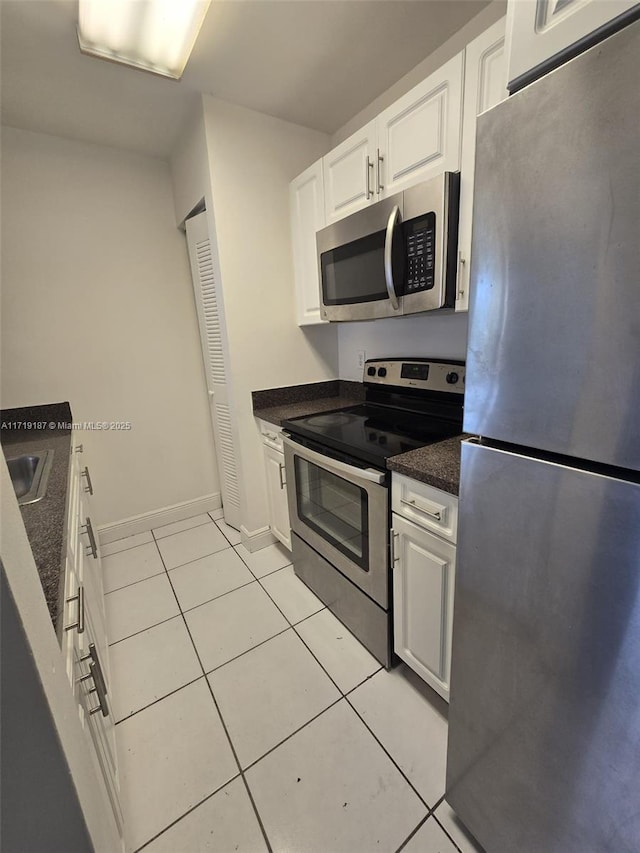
x=250 y=720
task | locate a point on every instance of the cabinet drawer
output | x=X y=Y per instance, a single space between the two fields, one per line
x=429 y=507
x=271 y=436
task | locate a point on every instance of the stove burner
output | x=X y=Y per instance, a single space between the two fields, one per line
x=332 y=419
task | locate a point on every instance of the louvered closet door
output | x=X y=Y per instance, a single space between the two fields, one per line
x=204 y=271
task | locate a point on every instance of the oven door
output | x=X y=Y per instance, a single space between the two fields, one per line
x=341 y=511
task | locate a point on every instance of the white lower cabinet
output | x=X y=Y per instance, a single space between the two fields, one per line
x=85 y=646
x=276 y=483
x=424 y=568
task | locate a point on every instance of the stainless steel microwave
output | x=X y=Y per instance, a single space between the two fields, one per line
x=395 y=257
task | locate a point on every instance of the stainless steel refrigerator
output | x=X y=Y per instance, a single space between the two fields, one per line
x=544 y=721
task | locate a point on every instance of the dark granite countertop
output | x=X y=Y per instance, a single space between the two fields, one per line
x=46 y=520
x=278 y=404
x=436 y=464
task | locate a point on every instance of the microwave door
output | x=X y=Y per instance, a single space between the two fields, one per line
x=351 y=260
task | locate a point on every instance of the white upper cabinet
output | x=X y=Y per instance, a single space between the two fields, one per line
x=419 y=135
x=485 y=85
x=539 y=29
x=307 y=217
x=349 y=174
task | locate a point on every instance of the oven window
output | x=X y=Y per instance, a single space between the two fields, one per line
x=335 y=509
x=355 y=272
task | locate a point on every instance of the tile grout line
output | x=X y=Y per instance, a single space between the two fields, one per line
x=441 y=825
x=344 y=696
x=133 y=583
x=215 y=703
x=292 y=734
x=142 y=630
x=155 y=701
x=414 y=832
x=193 y=808
x=389 y=756
x=151 y=541
x=246 y=652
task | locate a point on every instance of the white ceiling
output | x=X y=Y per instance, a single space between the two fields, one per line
x=313 y=62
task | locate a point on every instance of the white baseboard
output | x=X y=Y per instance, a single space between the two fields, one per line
x=149 y=520
x=254 y=540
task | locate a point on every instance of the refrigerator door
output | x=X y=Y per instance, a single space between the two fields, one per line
x=554 y=340
x=544 y=715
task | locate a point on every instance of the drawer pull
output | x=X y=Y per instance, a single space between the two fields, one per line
x=100 y=689
x=79 y=623
x=93 y=545
x=436 y=515
x=87 y=476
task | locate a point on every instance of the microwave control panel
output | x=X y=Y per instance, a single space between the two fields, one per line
x=420 y=236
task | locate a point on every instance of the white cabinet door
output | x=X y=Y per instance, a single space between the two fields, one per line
x=100 y=727
x=485 y=85
x=306 y=195
x=277 y=495
x=419 y=135
x=205 y=275
x=539 y=29
x=349 y=174
x=423 y=586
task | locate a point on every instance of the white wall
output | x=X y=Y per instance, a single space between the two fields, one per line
x=190 y=167
x=98 y=309
x=252 y=159
x=477 y=25
x=438 y=336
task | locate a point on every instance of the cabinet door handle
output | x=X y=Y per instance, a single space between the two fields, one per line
x=395 y=556
x=435 y=514
x=87 y=476
x=100 y=689
x=379 y=170
x=79 y=448
x=93 y=545
x=79 y=623
x=462 y=263
x=369 y=171
x=283 y=480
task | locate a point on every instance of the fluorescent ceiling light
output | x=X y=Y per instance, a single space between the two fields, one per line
x=155 y=35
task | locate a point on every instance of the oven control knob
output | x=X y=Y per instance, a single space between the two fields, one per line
x=371 y=371
x=382 y=371
x=452 y=378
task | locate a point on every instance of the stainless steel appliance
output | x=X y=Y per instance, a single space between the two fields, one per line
x=338 y=486
x=544 y=716
x=395 y=257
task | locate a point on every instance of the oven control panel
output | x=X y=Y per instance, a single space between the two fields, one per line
x=424 y=373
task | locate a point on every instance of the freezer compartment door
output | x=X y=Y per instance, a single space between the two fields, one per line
x=544 y=715
x=554 y=337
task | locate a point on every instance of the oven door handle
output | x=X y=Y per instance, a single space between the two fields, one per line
x=334 y=465
x=392 y=224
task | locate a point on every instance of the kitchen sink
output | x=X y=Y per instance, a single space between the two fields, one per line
x=29 y=474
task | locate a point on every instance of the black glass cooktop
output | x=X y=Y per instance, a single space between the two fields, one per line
x=372 y=433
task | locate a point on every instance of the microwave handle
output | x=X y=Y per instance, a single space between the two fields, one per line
x=392 y=224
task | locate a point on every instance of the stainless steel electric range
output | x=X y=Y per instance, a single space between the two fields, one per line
x=339 y=484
